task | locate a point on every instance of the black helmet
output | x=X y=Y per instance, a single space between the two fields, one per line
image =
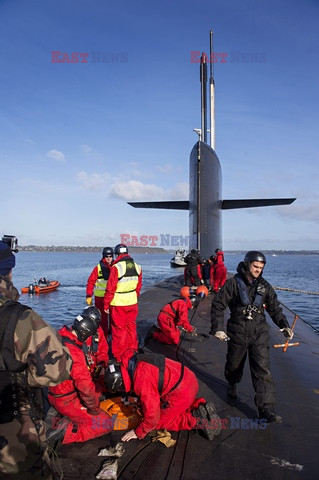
x=113 y=379
x=194 y=300
x=217 y=250
x=254 y=256
x=194 y=250
x=84 y=327
x=107 y=251
x=120 y=248
x=94 y=314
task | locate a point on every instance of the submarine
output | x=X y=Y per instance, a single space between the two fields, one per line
x=205 y=204
x=245 y=449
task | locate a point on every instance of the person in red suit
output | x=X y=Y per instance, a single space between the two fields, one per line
x=172 y=316
x=78 y=398
x=122 y=291
x=96 y=285
x=218 y=271
x=96 y=349
x=167 y=394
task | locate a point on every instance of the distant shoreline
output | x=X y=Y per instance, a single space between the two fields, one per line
x=152 y=250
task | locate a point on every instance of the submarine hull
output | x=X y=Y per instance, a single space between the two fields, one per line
x=245 y=449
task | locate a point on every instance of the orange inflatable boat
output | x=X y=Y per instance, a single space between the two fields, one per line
x=41 y=288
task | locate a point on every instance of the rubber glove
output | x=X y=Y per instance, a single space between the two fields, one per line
x=287 y=332
x=89 y=301
x=221 y=335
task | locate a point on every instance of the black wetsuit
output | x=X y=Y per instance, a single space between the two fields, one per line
x=192 y=260
x=248 y=331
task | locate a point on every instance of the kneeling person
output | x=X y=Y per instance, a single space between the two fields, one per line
x=172 y=316
x=167 y=394
x=79 y=398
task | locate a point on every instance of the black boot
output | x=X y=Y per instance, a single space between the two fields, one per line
x=232 y=390
x=150 y=334
x=208 y=425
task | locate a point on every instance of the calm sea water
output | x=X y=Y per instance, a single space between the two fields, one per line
x=299 y=272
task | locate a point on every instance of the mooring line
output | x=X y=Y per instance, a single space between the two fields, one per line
x=287 y=289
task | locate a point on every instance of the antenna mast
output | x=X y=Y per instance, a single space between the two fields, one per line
x=212 y=94
x=203 y=82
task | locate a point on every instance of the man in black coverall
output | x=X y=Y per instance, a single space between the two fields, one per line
x=193 y=259
x=247 y=294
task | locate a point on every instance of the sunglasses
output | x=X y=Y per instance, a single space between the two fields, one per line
x=109 y=256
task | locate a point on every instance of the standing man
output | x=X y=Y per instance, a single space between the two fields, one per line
x=193 y=268
x=96 y=285
x=248 y=294
x=122 y=291
x=31 y=357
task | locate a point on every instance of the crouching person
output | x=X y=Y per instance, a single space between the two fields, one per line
x=172 y=317
x=78 y=399
x=167 y=394
x=96 y=349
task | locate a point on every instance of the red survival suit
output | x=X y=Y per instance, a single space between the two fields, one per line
x=169 y=408
x=123 y=288
x=171 y=316
x=96 y=285
x=218 y=271
x=78 y=398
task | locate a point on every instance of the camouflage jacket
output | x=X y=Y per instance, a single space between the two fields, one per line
x=37 y=344
x=23 y=446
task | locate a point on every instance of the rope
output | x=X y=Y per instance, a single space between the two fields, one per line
x=286 y=289
x=54 y=463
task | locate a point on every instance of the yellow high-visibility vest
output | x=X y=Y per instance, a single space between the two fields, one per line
x=100 y=284
x=128 y=272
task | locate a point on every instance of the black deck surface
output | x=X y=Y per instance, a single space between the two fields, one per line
x=279 y=451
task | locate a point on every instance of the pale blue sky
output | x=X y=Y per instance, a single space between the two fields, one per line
x=78 y=140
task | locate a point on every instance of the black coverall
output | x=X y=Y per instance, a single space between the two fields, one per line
x=248 y=335
x=192 y=260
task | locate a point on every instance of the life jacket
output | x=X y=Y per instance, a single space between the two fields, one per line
x=88 y=350
x=252 y=304
x=103 y=273
x=158 y=361
x=128 y=272
x=13 y=379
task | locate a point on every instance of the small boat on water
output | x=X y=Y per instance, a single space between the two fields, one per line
x=179 y=259
x=38 y=287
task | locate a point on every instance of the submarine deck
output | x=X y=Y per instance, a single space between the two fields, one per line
x=244 y=450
